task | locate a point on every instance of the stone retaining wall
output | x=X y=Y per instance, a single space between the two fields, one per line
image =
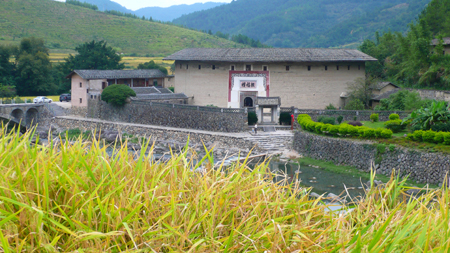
x=145 y=113
x=421 y=167
x=176 y=137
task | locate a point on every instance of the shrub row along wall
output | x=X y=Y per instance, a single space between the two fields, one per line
x=166 y=115
x=349 y=115
x=178 y=137
x=421 y=167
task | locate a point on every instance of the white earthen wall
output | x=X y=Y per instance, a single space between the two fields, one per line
x=297 y=87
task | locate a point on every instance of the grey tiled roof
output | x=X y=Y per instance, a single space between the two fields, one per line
x=160 y=96
x=150 y=90
x=381 y=85
x=385 y=95
x=436 y=41
x=145 y=90
x=269 y=55
x=118 y=74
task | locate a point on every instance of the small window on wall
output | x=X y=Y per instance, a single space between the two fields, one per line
x=265 y=68
x=187 y=66
x=337 y=67
x=309 y=68
x=326 y=67
x=81 y=85
x=248 y=67
x=232 y=67
x=81 y=100
x=199 y=66
x=155 y=82
x=103 y=85
x=92 y=96
x=287 y=68
x=359 y=67
x=213 y=67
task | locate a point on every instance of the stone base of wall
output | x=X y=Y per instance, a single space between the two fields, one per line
x=80 y=111
x=221 y=141
x=166 y=115
x=419 y=166
x=350 y=115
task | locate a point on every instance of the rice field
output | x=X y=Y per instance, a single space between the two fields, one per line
x=131 y=62
x=74 y=197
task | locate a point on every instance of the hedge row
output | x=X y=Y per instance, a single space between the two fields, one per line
x=343 y=130
x=430 y=136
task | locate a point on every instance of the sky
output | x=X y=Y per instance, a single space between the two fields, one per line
x=137 y=4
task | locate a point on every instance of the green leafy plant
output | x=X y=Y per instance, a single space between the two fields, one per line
x=394 y=116
x=381 y=148
x=374 y=117
x=117 y=94
x=285 y=118
x=436 y=113
x=394 y=125
x=326 y=120
x=391 y=147
x=428 y=136
x=330 y=107
x=252 y=118
x=386 y=134
x=339 y=119
x=439 y=137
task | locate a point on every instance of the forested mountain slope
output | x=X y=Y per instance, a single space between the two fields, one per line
x=66 y=26
x=307 y=23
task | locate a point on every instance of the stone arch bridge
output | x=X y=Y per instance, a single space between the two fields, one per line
x=25 y=114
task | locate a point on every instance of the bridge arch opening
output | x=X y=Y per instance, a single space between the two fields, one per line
x=17 y=114
x=32 y=116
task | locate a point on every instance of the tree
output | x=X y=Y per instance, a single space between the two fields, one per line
x=354 y=104
x=91 y=55
x=7 y=91
x=33 y=68
x=117 y=94
x=362 y=89
x=152 y=65
x=7 y=67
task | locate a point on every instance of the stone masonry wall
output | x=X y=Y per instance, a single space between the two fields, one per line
x=175 y=136
x=421 y=167
x=145 y=113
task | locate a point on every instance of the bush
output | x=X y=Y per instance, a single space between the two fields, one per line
x=354 y=104
x=381 y=148
x=361 y=131
x=330 y=107
x=325 y=128
x=417 y=135
x=327 y=120
x=394 y=116
x=447 y=138
x=391 y=147
x=252 y=118
x=172 y=89
x=410 y=137
x=352 y=130
x=369 y=133
x=374 y=117
x=285 y=118
x=394 y=125
x=117 y=94
x=343 y=129
x=428 y=136
x=339 y=119
x=441 y=127
x=386 y=134
x=333 y=130
x=439 y=137
x=378 y=132
x=318 y=128
x=355 y=123
x=355 y=118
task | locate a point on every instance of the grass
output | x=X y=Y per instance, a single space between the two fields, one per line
x=379 y=124
x=76 y=198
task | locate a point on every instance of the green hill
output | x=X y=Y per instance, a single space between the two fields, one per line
x=307 y=23
x=64 y=26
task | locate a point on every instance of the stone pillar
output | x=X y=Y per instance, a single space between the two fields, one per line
x=258 y=112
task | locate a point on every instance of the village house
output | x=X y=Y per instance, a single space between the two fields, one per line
x=445 y=43
x=90 y=84
x=234 y=78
